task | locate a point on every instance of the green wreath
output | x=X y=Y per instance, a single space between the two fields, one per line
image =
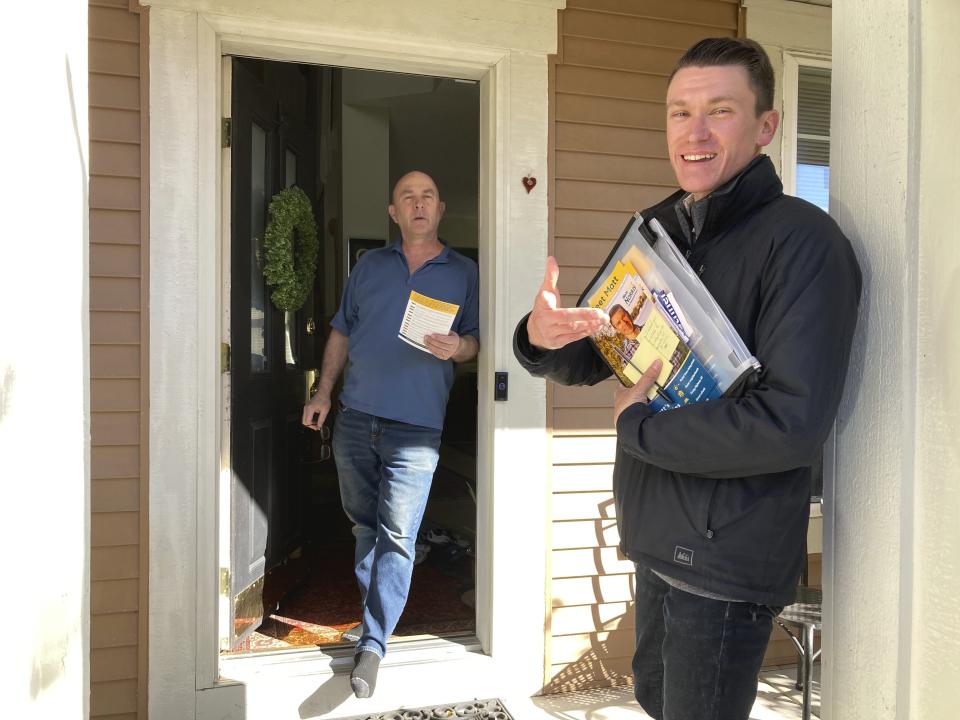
x=290 y=270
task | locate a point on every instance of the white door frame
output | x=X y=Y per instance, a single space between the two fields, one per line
x=187 y=403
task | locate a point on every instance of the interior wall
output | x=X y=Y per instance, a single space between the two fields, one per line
x=366 y=171
x=422 y=123
x=44 y=361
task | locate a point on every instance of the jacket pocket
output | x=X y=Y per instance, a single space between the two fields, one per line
x=706 y=525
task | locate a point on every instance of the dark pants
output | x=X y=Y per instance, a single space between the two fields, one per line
x=696 y=658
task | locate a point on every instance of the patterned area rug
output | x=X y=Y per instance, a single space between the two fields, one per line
x=471 y=710
x=327 y=604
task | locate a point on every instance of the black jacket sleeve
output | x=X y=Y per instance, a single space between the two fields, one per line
x=807 y=312
x=574 y=364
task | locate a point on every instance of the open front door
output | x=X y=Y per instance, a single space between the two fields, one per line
x=274 y=136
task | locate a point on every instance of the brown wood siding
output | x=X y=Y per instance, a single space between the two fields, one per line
x=608 y=158
x=118 y=358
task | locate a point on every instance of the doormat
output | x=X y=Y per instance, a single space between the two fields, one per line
x=472 y=710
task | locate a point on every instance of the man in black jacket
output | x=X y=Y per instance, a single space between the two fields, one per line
x=713 y=499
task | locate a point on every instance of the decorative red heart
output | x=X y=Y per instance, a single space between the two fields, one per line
x=529 y=182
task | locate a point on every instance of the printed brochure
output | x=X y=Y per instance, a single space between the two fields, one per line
x=659 y=308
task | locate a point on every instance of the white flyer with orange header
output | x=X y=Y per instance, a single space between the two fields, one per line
x=423 y=316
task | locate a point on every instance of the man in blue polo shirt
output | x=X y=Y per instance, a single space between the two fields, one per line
x=387 y=436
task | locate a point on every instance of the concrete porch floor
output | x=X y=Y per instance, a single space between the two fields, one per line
x=777 y=699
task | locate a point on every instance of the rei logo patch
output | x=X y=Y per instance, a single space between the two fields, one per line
x=683 y=555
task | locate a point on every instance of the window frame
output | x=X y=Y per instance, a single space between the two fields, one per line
x=792 y=62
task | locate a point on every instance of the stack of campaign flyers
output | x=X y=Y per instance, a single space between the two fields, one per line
x=659 y=308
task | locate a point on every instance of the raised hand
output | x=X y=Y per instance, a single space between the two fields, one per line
x=551 y=326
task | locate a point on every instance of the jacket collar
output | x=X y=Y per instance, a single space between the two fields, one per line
x=755 y=186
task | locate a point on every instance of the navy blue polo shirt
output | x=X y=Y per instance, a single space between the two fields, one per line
x=387 y=377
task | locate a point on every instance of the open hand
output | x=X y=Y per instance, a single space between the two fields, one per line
x=625 y=397
x=551 y=326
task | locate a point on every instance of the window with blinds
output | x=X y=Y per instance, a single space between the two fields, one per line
x=813 y=135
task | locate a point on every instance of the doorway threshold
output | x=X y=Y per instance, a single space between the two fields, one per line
x=339 y=660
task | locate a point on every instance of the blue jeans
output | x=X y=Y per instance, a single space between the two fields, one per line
x=696 y=658
x=385 y=469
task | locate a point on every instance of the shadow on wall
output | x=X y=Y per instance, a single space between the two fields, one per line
x=51 y=646
x=605 y=662
x=6 y=390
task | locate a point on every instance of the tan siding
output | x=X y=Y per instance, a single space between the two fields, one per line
x=109 y=462
x=606 y=139
x=629 y=29
x=717 y=15
x=114 y=125
x=113 y=630
x=115 y=496
x=571 y=478
x=583 y=506
x=593 y=590
x=114 y=328
x=115 y=193
x=611 y=84
x=585 y=562
x=590 y=670
x=112 y=92
x=607 y=159
x=118 y=369
x=114 y=563
x=604 y=617
x=110 y=158
x=114 y=24
x=110 y=226
x=619 y=55
x=112 y=698
x=113 y=596
x=112 y=260
x=114 y=294
x=114 y=361
x=113 y=664
x=111 y=57
x=115 y=528
x=596 y=532
x=570 y=648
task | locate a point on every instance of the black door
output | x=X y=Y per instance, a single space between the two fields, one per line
x=274 y=139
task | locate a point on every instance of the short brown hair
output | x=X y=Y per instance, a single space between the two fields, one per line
x=712 y=52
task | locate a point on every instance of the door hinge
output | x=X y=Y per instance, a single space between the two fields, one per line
x=225 y=582
x=226 y=132
x=224 y=357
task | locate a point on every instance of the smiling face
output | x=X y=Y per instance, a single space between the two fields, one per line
x=713 y=129
x=416 y=207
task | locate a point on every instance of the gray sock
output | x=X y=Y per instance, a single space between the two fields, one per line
x=363 y=679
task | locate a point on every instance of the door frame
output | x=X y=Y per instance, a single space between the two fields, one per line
x=188 y=222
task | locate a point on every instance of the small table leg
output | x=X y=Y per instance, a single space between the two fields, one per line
x=807 y=673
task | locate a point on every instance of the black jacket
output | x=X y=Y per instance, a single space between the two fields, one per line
x=717 y=494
